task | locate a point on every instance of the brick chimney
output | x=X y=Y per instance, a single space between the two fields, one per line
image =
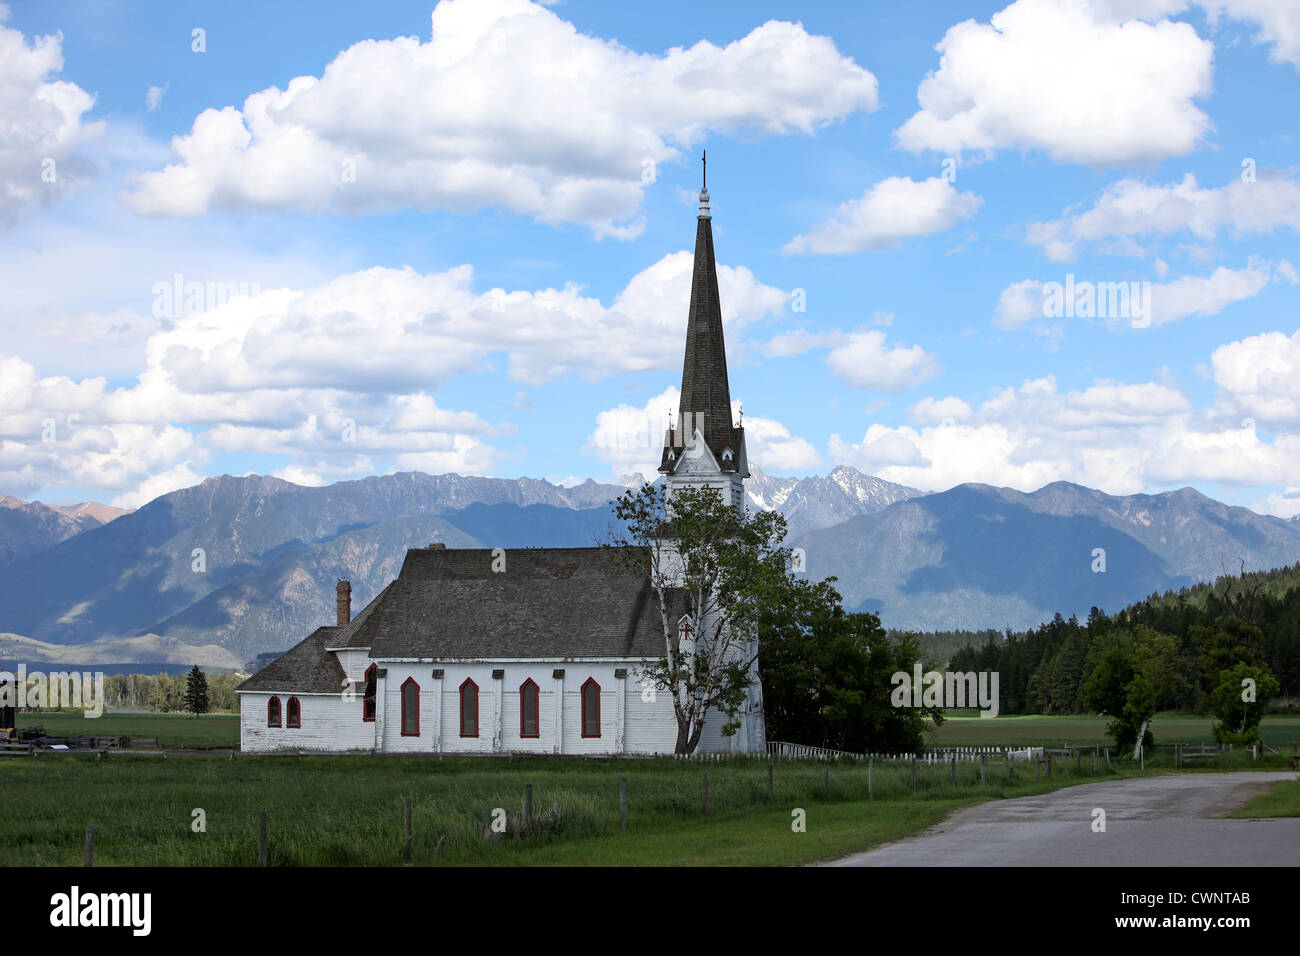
x=437 y=546
x=344 y=601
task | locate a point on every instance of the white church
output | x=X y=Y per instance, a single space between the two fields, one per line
x=454 y=657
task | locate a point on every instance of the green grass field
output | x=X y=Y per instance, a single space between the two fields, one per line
x=348 y=810
x=175 y=731
x=1088 y=731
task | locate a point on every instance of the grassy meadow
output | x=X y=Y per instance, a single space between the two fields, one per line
x=337 y=810
x=348 y=810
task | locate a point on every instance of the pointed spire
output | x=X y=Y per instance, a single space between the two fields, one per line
x=706 y=394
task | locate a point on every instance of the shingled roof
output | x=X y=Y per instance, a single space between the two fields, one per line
x=548 y=603
x=360 y=631
x=306 y=668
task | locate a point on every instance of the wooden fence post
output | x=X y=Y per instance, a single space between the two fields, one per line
x=406 y=847
x=952 y=776
x=90 y=846
x=261 y=839
x=1107 y=756
x=528 y=808
x=871 y=781
x=1011 y=762
x=1094 y=759
x=982 y=779
x=913 y=772
x=622 y=802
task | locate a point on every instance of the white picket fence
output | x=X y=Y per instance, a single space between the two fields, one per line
x=783 y=750
x=780 y=750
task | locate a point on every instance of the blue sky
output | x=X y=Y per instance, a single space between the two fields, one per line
x=468 y=250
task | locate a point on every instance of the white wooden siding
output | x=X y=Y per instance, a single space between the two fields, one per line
x=328 y=723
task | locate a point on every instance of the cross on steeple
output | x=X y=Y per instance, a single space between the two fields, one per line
x=704 y=191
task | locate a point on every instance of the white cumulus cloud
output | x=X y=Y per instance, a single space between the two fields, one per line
x=42 y=131
x=505 y=105
x=892 y=210
x=1131 y=209
x=1064 y=78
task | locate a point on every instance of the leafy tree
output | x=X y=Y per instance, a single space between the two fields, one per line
x=196 y=692
x=1239 y=706
x=1228 y=642
x=717 y=572
x=827 y=681
x=1133 y=670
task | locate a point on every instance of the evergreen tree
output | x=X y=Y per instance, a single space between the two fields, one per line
x=196 y=692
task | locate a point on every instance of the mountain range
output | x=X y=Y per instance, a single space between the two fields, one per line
x=30 y=526
x=244 y=565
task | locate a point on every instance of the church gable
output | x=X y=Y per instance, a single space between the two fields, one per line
x=697 y=459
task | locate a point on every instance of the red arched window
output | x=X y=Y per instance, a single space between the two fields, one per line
x=410 y=708
x=469 y=708
x=368 y=703
x=591 y=708
x=294 y=714
x=273 y=712
x=529 y=724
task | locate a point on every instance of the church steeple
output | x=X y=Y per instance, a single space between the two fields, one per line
x=705 y=405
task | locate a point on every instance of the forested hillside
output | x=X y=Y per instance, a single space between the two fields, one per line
x=1252 y=617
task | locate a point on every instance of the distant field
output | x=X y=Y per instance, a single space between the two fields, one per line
x=176 y=731
x=974 y=731
x=179 y=731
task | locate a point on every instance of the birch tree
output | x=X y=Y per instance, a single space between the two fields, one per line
x=1134 y=671
x=714 y=571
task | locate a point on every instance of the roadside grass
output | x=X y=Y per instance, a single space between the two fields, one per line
x=1282 y=799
